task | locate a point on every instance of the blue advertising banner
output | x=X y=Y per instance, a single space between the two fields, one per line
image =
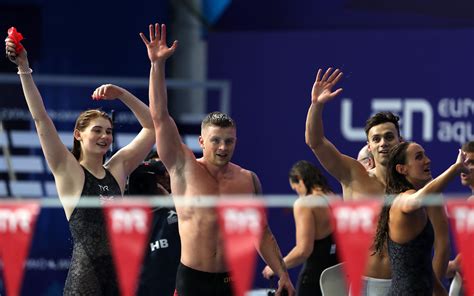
x=422 y=75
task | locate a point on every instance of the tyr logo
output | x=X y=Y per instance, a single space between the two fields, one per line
x=103 y=188
x=242 y=220
x=464 y=217
x=15 y=220
x=172 y=217
x=129 y=220
x=354 y=219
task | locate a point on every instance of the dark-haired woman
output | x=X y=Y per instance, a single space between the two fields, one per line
x=82 y=173
x=404 y=223
x=315 y=246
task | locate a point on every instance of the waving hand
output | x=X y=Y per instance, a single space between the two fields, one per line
x=322 y=87
x=157 y=48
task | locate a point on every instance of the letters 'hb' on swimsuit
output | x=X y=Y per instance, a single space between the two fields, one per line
x=92 y=270
x=158 y=274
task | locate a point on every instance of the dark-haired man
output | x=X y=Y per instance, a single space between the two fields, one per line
x=383 y=132
x=202 y=270
x=468 y=179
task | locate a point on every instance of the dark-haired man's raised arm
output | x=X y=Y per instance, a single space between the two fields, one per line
x=340 y=166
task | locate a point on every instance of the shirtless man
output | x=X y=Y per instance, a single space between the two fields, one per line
x=382 y=132
x=366 y=158
x=202 y=270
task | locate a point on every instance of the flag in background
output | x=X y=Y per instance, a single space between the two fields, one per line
x=213 y=9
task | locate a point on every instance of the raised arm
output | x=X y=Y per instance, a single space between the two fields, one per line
x=57 y=155
x=336 y=163
x=129 y=157
x=412 y=201
x=168 y=141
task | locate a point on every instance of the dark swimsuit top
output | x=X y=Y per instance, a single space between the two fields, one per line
x=412 y=271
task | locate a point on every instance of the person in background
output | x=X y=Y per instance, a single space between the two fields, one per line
x=366 y=158
x=467 y=179
x=315 y=246
x=161 y=260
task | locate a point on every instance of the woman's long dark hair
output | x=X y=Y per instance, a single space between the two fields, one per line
x=82 y=122
x=311 y=176
x=396 y=183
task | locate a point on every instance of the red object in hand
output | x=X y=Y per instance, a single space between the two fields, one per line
x=16 y=37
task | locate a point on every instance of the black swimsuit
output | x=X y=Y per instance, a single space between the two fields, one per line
x=158 y=274
x=323 y=256
x=191 y=282
x=92 y=270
